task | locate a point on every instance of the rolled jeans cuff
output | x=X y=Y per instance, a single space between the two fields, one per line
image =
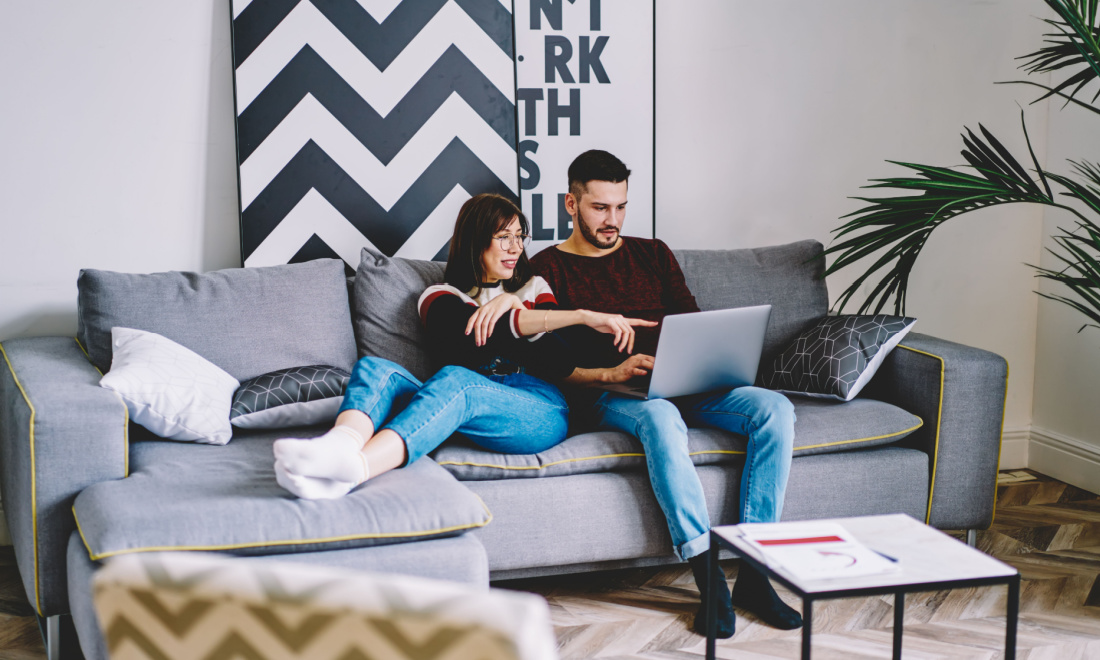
x=695 y=546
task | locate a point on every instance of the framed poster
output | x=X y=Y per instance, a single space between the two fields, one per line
x=369 y=122
x=585 y=80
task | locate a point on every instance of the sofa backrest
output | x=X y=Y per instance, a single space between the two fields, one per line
x=248 y=321
x=788 y=277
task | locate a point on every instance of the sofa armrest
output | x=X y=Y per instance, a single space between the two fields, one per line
x=959 y=391
x=60 y=432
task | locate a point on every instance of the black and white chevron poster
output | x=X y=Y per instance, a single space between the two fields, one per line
x=369 y=122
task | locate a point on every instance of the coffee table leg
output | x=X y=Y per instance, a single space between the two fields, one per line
x=1011 y=616
x=712 y=618
x=807 y=625
x=899 y=622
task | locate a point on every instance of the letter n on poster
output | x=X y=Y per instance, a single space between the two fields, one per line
x=584 y=80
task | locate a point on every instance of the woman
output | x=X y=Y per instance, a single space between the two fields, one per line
x=487 y=327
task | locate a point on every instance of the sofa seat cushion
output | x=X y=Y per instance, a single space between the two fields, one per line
x=205 y=497
x=823 y=426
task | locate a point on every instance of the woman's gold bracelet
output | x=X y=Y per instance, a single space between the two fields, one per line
x=545 y=324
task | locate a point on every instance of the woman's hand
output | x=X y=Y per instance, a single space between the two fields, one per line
x=615 y=324
x=635 y=365
x=483 y=320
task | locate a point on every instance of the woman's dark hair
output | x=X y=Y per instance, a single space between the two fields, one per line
x=481 y=217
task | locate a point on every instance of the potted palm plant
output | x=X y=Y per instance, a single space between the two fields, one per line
x=893 y=230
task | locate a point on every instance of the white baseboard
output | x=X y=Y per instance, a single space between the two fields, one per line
x=1014 y=448
x=1067 y=459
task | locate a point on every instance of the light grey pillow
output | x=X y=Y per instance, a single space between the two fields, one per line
x=248 y=321
x=387 y=323
x=787 y=277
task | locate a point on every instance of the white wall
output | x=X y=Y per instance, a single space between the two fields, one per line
x=770 y=115
x=1066 y=433
x=116 y=126
x=116 y=149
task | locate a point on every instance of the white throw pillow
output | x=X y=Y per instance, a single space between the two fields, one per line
x=169 y=389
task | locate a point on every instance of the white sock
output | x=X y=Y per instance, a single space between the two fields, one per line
x=335 y=455
x=311 y=488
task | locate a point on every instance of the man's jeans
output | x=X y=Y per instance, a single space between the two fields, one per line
x=766 y=417
x=512 y=414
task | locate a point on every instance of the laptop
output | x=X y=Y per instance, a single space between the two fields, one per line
x=703 y=351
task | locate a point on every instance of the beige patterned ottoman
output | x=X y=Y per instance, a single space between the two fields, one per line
x=177 y=606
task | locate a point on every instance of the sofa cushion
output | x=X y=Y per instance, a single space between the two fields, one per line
x=787 y=277
x=823 y=426
x=169 y=389
x=299 y=396
x=248 y=321
x=387 y=323
x=203 y=497
x=837 y=356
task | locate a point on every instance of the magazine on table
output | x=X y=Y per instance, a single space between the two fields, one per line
x=813 y=550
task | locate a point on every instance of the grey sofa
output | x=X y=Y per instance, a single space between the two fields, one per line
x=81 y=483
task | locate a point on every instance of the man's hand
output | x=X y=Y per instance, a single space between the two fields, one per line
x=615 y=324
x=635 y=365
x=483 y=320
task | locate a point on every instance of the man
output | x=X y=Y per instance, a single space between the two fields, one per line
x=597 y=268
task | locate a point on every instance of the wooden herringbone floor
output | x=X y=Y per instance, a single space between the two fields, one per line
x=1049 y=530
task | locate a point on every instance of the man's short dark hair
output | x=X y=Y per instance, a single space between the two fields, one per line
x=595 y=165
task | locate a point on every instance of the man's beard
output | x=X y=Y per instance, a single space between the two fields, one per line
x=592 y=237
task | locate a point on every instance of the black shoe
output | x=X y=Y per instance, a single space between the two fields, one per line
x=727 y=620
x=753 y=592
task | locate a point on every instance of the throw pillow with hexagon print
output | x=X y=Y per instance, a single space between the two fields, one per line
x=297 y=396
x=837 y=356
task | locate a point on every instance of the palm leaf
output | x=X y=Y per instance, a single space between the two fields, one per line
x=894 y=230
x=1074 y=48
x=1080 y=272
x=897 y=228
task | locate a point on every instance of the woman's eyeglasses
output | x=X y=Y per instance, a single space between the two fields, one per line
x=508 y=240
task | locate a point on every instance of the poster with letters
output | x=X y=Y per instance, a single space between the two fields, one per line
x=367 y=123
x=584 y=80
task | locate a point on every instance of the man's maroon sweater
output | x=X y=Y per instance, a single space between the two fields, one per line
x=639 y=280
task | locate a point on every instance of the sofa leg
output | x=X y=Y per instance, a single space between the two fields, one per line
x=972 y=538
x=51 y=636
x=59 y=638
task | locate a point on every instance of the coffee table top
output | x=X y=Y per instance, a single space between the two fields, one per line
x=926 y=555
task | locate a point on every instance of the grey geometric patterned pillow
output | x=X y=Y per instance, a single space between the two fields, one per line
x=298 y=396
x=837 y=356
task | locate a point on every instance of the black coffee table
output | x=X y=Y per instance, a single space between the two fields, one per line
x=929 y=561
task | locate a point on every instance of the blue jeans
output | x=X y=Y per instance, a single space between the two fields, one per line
x=766 y=417
x=513 y=414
